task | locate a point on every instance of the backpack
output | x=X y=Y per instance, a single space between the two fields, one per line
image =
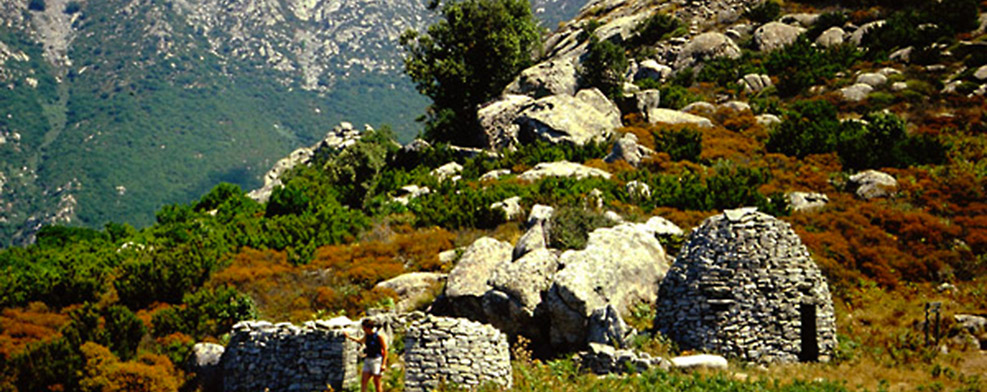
x=373 y=348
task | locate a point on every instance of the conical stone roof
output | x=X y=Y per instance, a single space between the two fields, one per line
x=742 y=286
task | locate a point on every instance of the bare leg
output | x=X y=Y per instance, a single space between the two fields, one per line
x=377 y=387
x=363 y=381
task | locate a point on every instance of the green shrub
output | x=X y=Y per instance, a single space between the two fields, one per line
x=570 y=227
x=207 y=312
x=72 y=7
x=683 y=144
x=674 y=96
x=810 y=127
x=824 y=22
x=604 y=67
x=801 y=65
x=36 y=5
x=657 y=27
x=765 y=12
x=725 y=71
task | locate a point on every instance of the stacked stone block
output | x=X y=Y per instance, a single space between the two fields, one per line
x=739 y=286
x=284 y=357
x=454 y=351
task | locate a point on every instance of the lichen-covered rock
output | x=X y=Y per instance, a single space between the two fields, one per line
x=453 y=350
x=651 y=69
x=870 y=184
x=531 y=240
x=552 y=77
x=755 y=82
x=833 y=36
x=562 y=169
x=497 y=121
x=525 y=279
x=607 y=327
x=412 y=288
x=587 y=116
x=857 y=92
x=628 y=150
x=478 y=262
x=669 y=116
x=806 y=201
x=744 y=285
x=775 y=35
x=618 y=266
x=706 y=46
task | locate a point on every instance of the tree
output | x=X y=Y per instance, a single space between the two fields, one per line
x=467 y=58
x=604 y=67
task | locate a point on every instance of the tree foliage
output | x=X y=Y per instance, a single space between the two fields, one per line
x=467 y=58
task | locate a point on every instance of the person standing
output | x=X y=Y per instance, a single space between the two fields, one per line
x=375 y=352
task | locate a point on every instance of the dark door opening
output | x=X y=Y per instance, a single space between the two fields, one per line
x=810 y=343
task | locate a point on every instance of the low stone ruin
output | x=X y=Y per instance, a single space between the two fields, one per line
x=454 y=351
x=285 y=357
x=605 y=359
x=744 y=285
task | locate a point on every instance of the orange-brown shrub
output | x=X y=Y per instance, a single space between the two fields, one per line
x=22 y=326
x=149 y=373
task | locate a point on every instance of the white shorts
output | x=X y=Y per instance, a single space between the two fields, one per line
x=373 y=365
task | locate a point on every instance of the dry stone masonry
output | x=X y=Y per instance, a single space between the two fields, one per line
x=285 y=357
x=743 y=285
x=455 y=351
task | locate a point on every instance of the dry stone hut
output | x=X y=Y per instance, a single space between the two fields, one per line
x=457 y=351
x=744 y=285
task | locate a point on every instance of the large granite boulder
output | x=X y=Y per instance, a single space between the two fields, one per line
x=552 y=77
x=651 y=69
x=497 y=121
x=517 y=289
x=562 y=169
x=620 y=266
x=706 y=46
x=775 y=35
x=478 y=262
x=627 y=149
x=587 y=116
x=833 y=36
x=856 y=92
x=412 y=288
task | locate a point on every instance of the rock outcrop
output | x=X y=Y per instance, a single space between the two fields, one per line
x=552 y=77
x=587 y=116
x=775 y=35
x=870 y=184
x=669 y=116
x=412 y=288
x=706 y=46
x=562 y=169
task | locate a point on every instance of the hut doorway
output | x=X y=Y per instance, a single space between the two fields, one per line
x=810 y=345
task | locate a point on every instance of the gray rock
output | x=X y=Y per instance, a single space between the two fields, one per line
x=479 y=261
x=899 y=86
x=981 y=73
x=497 y=120
x=651 y=69
x=775 y=35
x=663 y=227
x=755 y=82
x=408 y=192
x=870 y=184
x=540 y=214
x=607 y=327
x=699 y=108
x=620 y=29
x=833 y=36
x=205 y=363
x=627 y=149
x=975 y=325
x=903 y=55
x=700 y=361
x=531 y=240
x=856 y=93
x=562 y=169
x=767 y=120
x=858 y=35
x=494 y=174
x=647 y=100
x=552 y=77
x=412 y=288
x=803 y=19
x=872 y=79
x=525 y=279
x=669 y=116
x=736 y=106
x=618 y=267
x=510 y=206
x=638 y=190
x=565 y=119
x=706 y=46
x=603 y=359
x=806 y=201
x=449 y=171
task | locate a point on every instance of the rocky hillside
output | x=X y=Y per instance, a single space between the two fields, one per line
x=101 y=97
x=610 y=207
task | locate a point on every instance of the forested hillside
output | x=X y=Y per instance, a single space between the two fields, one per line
x=805 y=128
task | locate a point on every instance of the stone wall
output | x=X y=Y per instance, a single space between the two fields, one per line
x=456 y=351
x=741 y=286
x=286 y=357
